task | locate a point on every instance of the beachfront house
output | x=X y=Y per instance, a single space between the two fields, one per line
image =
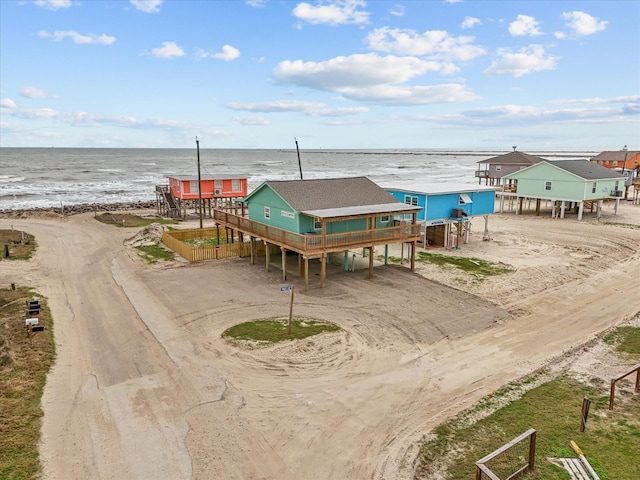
x=322 y=217
x=494 y=170
x=626 y=162
x=567 y=184
x=215 y=191
x=446 y=209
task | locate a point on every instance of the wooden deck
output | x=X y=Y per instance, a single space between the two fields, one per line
x=315 y=246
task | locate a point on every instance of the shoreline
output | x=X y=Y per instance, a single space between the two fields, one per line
x=68 y=210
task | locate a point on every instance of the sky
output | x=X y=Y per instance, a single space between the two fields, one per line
x=334 y=74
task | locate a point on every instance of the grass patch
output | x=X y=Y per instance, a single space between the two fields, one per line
x=475 y=267
x=24 y=364
x=21 y=245
x=610 y=442
x=206 y=242
x=154 y=253
x=623 y=225
x=129 y=220
x=265 y=332
x=625 y=339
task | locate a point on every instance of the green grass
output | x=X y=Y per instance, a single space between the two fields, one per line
x=154 y=253
x=475 y=267
x=206 y=242
x=625 y=339
x=266 y=332
x=24 y=364
x=611 y=441
x=21 y=245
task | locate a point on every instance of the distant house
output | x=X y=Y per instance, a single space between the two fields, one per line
x=316 y=218
x=495 y=169
x=444 y=206
x=218 y=189
x=620 y=159
x=569 y=183
x=626 y=162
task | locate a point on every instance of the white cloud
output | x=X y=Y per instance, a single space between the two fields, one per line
x=279 y=106
x=53 y=4
x=527 y=60
x=339 y=112
x=148 y=6
x=335 y=12
x=252 y=120
x=32 y=92
x=583 y=24
x=228 y=53
x=78 y=38
x=470 y=22
x=397 y=11
x=360 y=70
x=524 y=25
x=410 y=95
x=168 y=50
x=256 y=3
x=7 y=103
x=436 y=44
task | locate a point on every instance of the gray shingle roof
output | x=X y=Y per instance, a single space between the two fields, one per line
x=513 y=158
x=322 y=194
x=586 y=169
x=618 y=155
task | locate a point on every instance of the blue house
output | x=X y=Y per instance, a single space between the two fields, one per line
x=445 y=207
x=316 y=218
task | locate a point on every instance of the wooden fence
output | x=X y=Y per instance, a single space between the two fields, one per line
x=612 y=392
x=509 y=460
x=175 y=240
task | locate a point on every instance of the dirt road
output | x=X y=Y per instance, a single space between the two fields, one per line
x=144 y=386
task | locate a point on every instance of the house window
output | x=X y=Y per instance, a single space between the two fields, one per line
x=235 y=185
x=217 y=184
x=615 y=163
x=193 y=186
x=267 y=213
x=411 y=200
x=385 y=219
x=547 y=185
x=317 y=224
x=498 y=168
x=593 y=187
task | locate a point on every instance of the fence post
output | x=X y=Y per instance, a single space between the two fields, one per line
x=532 y=451
x=612 y=393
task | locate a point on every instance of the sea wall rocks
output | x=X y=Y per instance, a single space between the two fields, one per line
x=67 y=210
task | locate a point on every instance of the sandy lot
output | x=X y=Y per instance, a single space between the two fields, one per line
x=144 y=387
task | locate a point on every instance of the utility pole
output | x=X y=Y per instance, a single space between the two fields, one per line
x=299 y=164
x=199 y=181
x=624 y=164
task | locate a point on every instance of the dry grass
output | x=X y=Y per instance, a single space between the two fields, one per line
x=21 y=245
x=25 y=360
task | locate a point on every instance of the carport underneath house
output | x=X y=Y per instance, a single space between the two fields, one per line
x=319 y=245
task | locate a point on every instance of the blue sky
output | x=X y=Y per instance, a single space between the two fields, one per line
x=355 y=74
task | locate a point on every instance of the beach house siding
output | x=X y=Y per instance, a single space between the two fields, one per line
x=436 y=205
x=547 y=180
x=186 y=187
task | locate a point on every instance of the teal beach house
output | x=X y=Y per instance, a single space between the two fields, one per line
x=319 y=217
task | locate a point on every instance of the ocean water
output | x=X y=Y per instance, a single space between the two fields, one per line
x=51 y=177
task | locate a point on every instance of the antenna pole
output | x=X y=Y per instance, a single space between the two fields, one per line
x=299 y=164
x=199 y=181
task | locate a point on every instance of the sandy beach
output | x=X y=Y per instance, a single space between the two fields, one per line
x=144 y=387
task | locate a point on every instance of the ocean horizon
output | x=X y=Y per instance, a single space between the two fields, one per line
x=57 y=176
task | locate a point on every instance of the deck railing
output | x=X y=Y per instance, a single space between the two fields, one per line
x=482 y=173
x=316 y=243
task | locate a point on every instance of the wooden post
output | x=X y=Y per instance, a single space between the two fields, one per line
x=290 y=313
x=532 y=451
x=283 y=251
x=323 y=270
x=413 y=256
x=267 y=255
x=586 y=404
x=306 y=274
x=537 y=207
x=370 y=262
x=612 y=393
x=253 y=250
